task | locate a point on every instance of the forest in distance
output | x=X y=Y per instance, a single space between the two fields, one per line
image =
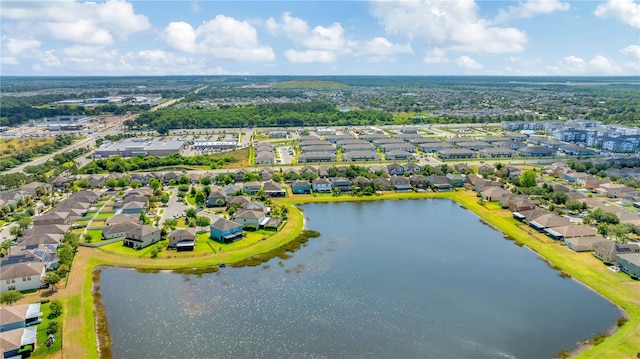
x=266 y=101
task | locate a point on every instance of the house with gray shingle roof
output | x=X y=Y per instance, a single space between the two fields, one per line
x=139 y=236
x=225 y=230
x=182 y=239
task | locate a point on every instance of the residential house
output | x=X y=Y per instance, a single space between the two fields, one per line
x=239 y=175
x=140 y=236
x=251 y=188
x=182 y=239
x=456 y=179
x=395 y=169
x=396 y=147
x=238 y=201
x=608 y=251
x=396 y=155
x=301 y=187
x=583 y=244
x=266 y=174
x=456 y=153
x=341 y=183
x=230 y=189
x=411 y=168
x=430 y=147
x=548 y=220
x=360 y=182
x=54 y=217
x=400 y=183
x=382 y=184
x=13 y=340
x=19 y=316
x=216 y=199
x=613 y=190
x=439 y=183
x=265 y=158
x=630 y=264
x=225 y=230
x=274 y=189
x=308 y=157
x=360 y=156
x=23 y=276
x=497 y=152
x=118 y=230
x=493 y=193
x=570 y=231
x=123 y=218
x=135 y=207
x=59 y=182
x=419 y=181
x=321 y=185
x=250 y=218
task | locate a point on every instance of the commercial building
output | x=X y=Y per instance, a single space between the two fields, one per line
x=140 y=147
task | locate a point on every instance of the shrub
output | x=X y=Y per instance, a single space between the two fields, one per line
x=56 y=308
x=53 y=327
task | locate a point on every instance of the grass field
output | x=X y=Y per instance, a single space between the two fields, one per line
x=105 y=215
x=14 y=145
x=43 y=351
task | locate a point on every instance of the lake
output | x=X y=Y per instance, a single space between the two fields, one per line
x=386 y=279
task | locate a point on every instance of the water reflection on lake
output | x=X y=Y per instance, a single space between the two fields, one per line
x=388 y=279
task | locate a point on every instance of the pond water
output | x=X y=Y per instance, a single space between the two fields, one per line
x=386 y=279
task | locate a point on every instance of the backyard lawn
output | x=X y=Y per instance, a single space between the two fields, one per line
x=105 y=215
x=42 y=350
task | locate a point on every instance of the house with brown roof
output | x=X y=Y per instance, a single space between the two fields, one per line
x=570 y=231
x=19 y=316
x=583 y=244
x=13 y=340
x=182 y=239
x=608 y=251
x=401 y=183
x=55 y=217
x=273 y=189
x=140 y=236
x=23 y=276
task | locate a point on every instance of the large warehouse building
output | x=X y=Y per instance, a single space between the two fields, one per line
x=140 y=147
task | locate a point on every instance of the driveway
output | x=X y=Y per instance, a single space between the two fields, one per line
x=173 y=207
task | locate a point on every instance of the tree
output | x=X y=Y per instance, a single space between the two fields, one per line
x=184 y=180
x=205 y=181
x=56 y=308
x=88 y=237
x=10 y=297
x=111 y=183
x=202 y=221
x=191 y=212
x=200 y=198
x=25 y=222
x=123 y=182
x=171 y=223
x=83 y=183
x=193 y=191
x=52 y=279
x=251 y=177
x=528 y=179
x=154 y=183
x=53 y=327
x=164 y=199
x=206 y=190
x=16 y=231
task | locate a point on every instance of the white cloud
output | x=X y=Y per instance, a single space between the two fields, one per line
x=436 y=56
x=309 y=56
x=632 y=50
x=627 y=11
x=8 y=60
x=222 y=38
x=181 y=36
x=573 y=61
x=383 y=47
x=574 y=65
x=531 y=8
x=86 y=23
x=18 y=47
x=50 y=59
x=319 y=40
x=453 y=25
x=468 y=63
x=601 y=64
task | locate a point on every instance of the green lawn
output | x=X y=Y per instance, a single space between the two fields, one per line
x=42 y=351
x=81 y=222
x=96 y=234
x=105 y=215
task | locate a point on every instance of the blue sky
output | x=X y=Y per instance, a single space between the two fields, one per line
x=447 y=37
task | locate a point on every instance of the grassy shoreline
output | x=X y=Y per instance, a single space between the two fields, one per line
x=80 y=324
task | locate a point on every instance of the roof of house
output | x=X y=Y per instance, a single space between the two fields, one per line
x=249 y=214
x=575 y=230
x=271 y=186
x=183 y=233
x=122 y=218
x=224 y=224
x=17 y=313
x=631 y=258
x=21 y=270
x=141 y=230
x=120 y=227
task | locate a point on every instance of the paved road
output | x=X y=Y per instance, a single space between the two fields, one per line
x=173 y=207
